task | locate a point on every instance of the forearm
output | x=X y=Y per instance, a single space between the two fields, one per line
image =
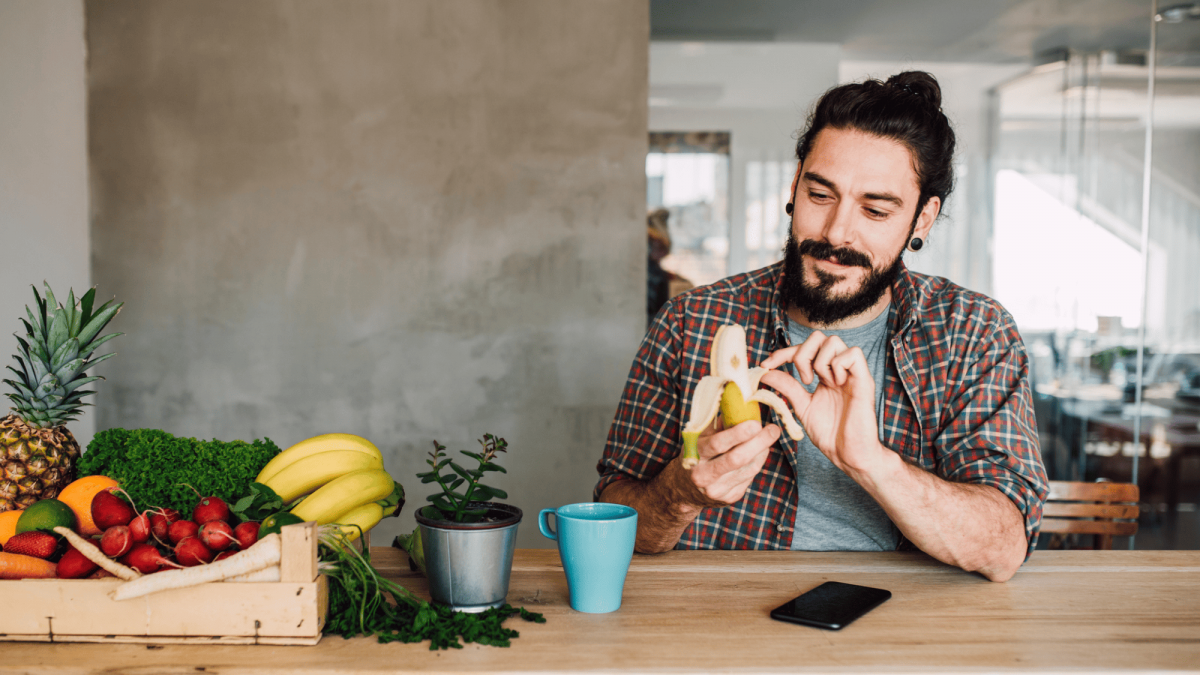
x=974 y=527
x=666 y=505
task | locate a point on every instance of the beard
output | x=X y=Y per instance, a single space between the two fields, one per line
x=818 y=303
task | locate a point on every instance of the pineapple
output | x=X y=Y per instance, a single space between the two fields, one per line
x=37 y=452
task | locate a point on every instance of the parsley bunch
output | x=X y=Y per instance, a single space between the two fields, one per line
x=156 y=468
x=358 y=605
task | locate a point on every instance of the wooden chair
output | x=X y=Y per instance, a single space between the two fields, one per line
x=1101 y=509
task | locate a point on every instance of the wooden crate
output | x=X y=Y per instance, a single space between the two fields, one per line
x=289 y=612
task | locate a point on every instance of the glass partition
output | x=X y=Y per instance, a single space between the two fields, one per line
x=1096 y=243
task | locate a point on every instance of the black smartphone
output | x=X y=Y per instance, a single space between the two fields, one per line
x=832 y=605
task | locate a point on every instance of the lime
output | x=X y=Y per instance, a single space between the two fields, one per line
x=273 y=523
x=45 y=515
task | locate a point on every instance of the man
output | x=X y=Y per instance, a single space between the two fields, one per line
x=914 y=393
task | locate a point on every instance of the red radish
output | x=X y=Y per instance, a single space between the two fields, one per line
x=139 y=528
x=223 y=555
x=102 y=573
x=160 y=522
x=180 y=529
x=210 y=509
x=109 y=509
x=246 y=534
x=116 y=541
x=145 y=559
x=217 y=535
x=190 y=552
x=75 y=565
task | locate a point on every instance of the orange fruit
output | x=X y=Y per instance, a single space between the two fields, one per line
x=8 y=525
x=79 y=494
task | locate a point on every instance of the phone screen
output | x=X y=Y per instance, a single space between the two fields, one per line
x=832 y=605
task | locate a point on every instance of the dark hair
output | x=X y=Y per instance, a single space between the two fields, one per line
x=908 y=109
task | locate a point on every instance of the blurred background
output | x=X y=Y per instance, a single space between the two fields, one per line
x=423 y=220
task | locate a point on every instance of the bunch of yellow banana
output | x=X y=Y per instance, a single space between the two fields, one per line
x=343 y=476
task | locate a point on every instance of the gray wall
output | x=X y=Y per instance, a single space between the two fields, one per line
x=43 y=165
x=407 y=220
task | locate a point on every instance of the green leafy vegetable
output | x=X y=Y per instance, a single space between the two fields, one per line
x=156 y=468
x=358 y=605
x=261 y=503
x=453 y=503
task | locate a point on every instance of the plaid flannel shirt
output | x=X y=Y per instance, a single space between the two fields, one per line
x=957 y=399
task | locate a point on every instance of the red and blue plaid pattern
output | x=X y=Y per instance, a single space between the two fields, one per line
x=957 y=399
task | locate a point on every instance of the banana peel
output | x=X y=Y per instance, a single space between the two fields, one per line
x=725 y=390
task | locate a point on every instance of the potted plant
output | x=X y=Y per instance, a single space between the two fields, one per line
x=467 y=539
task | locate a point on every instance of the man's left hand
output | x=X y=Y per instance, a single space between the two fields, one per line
x=839 y=416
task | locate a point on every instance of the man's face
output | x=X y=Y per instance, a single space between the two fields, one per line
x=855 y=199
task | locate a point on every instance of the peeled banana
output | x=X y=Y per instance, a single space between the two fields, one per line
x=344 y=493
x=365 y=516
x=725 y=390
x=313 y=446
x=305 y=475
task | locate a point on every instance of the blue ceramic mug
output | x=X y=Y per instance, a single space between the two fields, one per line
x=595 y=543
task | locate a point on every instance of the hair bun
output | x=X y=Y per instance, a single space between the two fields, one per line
x=918 y=83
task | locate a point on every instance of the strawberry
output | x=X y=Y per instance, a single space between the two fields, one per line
x=37 y=544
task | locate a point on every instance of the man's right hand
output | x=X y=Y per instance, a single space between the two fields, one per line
x=729 y=461
x=668 y=503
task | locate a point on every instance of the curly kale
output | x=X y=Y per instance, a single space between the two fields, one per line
x=156 y=468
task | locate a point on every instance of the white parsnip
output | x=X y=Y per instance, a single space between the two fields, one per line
x=89 y=551
x=271 y=573
x=265 y=553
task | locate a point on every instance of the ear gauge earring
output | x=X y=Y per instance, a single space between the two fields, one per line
x=789 y=208
x=916 y=244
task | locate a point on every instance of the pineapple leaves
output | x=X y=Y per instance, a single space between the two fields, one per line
x=96 y=343
x=98 y=322
x=50 y=302
x=85 y=307
x=98 y=359
x=67 y=352
x=75 y=384
x=58 y=329
x=69 y=370
x=73 y=314
x=35 y=326
x=55 y=351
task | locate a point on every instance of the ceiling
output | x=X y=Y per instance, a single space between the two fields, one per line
x=972 y=31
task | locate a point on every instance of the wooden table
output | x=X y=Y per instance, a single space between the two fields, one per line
x=707 y=611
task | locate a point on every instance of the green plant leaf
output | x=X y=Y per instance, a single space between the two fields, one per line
x=85 y=307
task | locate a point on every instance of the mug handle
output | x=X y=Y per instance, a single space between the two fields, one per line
x=544 y=523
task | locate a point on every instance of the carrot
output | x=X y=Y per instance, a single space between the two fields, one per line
x=265 y=553
x=17 y=566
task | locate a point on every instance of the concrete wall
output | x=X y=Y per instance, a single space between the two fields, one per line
x=43 y=165
x=408 y=220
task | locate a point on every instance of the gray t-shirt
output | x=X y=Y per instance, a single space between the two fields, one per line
x=833 y=512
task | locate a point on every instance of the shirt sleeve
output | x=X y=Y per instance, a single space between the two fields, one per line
x=645 y=434
x=989 y=435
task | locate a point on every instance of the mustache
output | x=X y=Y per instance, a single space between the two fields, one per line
x=845 y=256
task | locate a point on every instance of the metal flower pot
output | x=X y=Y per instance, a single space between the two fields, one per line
x=468 y=564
